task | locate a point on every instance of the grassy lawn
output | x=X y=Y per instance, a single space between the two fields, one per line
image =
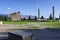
x=48 y=24
x=51 y=24
x=34 y=27
x=6 y=22
x=20 y=22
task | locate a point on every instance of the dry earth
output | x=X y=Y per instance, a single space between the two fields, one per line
x=8 y=27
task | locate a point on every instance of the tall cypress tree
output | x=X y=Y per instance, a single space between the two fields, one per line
x=50 y=17
x=35 y=18
x=29 y=17
x=42 y=17
x=59 y=16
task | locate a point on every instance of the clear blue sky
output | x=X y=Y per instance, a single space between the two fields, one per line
x=29 y=7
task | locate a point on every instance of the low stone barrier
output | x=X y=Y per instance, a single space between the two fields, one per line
x=1 y=22
x=20 y=35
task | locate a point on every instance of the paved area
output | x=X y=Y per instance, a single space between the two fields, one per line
x=39 y=34
x=45 y=34
x=3 y=36
x=6 y=27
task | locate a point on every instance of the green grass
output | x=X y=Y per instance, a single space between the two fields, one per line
x=34 y=27
x=6 y=22
x=18 y=22
x=51 y=24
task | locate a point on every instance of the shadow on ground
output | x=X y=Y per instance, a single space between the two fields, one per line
x=46 y=34
x=3 y=35
x=40 y=34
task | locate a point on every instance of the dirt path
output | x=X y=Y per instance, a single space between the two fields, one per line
x=6 y=27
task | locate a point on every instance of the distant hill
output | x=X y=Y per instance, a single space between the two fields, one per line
x=3 y=14
x=22 y=16
x=27 y=16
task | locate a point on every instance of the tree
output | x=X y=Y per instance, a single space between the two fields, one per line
x=1 y=18
x=59 y=16
x=29 y=18
x=35 y=18
x=50 y=17
x=42 y=17
x=24 y=18
x=5 y=18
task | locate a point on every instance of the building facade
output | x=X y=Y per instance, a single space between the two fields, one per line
x=16 y=16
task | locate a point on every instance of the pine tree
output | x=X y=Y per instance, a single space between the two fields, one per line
x=29 y=18
x=50 y=17
x=59 y=16
x=24 y=19
x=35 y=18
x=42 y=17
x=5 y=18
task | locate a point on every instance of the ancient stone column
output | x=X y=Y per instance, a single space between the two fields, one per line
x=53 y=12
x=38 y=13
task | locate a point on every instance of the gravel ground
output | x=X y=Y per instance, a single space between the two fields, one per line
x=13 y=26
x=6 y=27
